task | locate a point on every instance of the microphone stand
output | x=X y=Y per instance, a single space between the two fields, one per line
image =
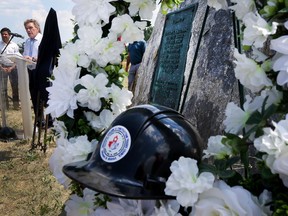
x=7 y=44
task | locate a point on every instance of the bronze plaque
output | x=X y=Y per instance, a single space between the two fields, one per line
x=168 y=76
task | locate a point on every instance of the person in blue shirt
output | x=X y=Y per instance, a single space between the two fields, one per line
x=135 y=54
x=30 y=52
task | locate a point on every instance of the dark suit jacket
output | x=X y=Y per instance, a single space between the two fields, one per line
x=47 y=54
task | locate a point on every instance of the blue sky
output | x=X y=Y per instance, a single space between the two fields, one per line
x=14 y=12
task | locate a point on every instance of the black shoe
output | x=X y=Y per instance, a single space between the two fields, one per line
x=43 y=123
x=40 y=124
x=50 y=124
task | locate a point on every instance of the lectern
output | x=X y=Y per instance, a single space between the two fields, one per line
x=23 y=83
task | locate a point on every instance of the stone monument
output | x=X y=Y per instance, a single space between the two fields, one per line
x=200 y=85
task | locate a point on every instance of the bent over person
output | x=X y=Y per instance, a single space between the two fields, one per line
x=135 y=54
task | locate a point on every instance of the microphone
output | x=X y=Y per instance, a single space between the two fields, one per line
x=16 y=35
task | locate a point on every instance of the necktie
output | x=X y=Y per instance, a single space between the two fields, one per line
x=31 y=47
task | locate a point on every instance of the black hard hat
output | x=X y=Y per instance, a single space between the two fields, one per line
x=133 y=158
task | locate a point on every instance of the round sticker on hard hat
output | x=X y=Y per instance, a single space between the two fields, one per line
x=115 y=144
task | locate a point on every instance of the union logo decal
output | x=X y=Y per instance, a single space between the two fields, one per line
x=116 y=144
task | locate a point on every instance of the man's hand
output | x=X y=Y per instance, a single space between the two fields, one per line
x=9 y=69
x=28 y=57
x=4 y=69
x=31 y=58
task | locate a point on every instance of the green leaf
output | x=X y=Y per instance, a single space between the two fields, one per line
x=246 y=48
x=101 y=200
x=244 y=155
x=203 y=167
x=255 y=118
x=78 y=87
x=235 y=179
x=266 y=173
x=252 y=130
x=236 y=143
x=229 y=136
x=231 y=161
x=225 y=174
x=83 y=126
x=270 y=111
x=259 y=132
x=220 y=164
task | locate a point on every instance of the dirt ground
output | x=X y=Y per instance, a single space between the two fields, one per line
x=27 y=187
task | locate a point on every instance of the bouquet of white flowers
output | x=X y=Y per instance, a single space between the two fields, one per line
x=243 y=172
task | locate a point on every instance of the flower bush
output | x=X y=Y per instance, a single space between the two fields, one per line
x=243 y=172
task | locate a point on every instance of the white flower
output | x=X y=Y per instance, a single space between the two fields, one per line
x=90 y=12
x=60 y=129
x=169 y=208
x=95 y=69
x=242 y=7
x=123 y=25
x=235 y=123
x=186 y=183
x=225 y=200
x=78 y=206
x=218 y=4
x=258 y=55
x=57 y=160
x=121 y=98
x=83 y=60
x=282 y=129
x=271 y=96
x=280 y=165
x=124 y=207
x=64 y=102
x=69 y=57
x=264 y=199
x=249 y=73
x=92 y=34
x=108 y=50
x=275 y=144
x=286 y=24
x=68 y=151
x=217 y=148
x=257 y=30
x=269 y=143
x=95 y=89
x=89 y=38
x=144 y=7
x=281 y=65
x=280 y=44
x=72 y=56
x=101 y=122
x=274 y=96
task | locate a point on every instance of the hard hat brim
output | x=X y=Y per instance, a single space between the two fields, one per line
x=95 y=179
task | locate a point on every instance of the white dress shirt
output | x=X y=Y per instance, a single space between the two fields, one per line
x=31 y=48
x=12 y=48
